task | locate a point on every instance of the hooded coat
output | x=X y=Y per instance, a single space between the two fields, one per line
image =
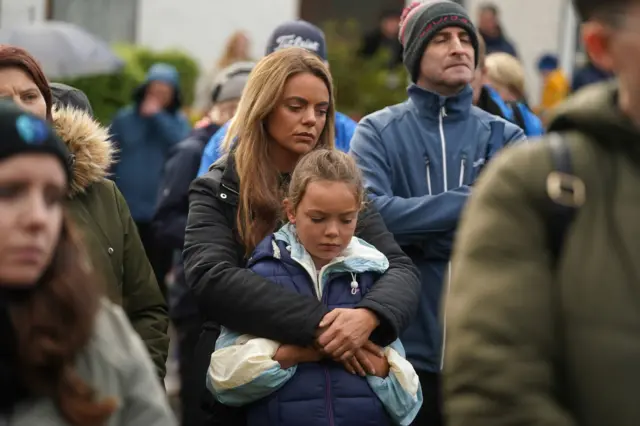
x=115 y=249
x=144 y=143
x=541 y=340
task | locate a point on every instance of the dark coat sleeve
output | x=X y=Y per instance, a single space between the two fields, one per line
x=226 y=291
x=170 y=219
x=394 y=298
x=143 y=301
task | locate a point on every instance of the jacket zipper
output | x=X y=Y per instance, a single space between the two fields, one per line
x=443 y=142
x=427 y=163
x=444 y=315
x=229 y=189
x=463 y=163
x=443 y=113
x=328 y=396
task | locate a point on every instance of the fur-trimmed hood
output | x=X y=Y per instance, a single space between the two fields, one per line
x=89 y=142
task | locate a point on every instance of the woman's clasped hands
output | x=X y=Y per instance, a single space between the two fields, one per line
x=343 y=335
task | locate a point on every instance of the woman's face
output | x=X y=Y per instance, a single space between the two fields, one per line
x=325 y=219
x=296 y=123
x=17 y=85
x=32 y=190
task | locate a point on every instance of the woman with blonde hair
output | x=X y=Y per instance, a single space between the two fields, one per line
x=505 y=74
x=67 y=358
x=236 y=50
x=287 y=111
x=506 y=78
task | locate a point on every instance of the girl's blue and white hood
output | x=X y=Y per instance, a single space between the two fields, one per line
x=358 y=257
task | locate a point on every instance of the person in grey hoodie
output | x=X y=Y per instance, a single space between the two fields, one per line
x=68 y=357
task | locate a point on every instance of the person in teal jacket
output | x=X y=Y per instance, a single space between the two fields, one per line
x=144 y=133
x=296 y=33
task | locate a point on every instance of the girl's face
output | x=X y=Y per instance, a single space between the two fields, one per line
x=325 y=219
x=296 y=123
x=32 y=190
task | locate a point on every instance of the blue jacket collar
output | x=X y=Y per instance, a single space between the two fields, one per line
x=430 y=104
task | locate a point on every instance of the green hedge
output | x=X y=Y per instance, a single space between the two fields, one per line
x=362 y=86
x=109 y=93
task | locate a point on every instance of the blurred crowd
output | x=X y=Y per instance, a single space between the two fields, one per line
x=462 y=257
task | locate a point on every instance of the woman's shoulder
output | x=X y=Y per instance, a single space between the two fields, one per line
x=216 y=174
x=113 y=348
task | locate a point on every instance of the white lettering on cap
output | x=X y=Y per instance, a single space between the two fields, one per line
x=293 y=40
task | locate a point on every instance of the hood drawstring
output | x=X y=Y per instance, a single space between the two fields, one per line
x=354 y=284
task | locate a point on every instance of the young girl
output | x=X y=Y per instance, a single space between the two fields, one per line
x=316 y=254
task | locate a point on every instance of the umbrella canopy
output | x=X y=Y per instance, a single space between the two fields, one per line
x=64 y=50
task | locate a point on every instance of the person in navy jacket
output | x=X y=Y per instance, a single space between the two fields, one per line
x=296 y=33
x=169 y=225
x=316 y=255
x=420 y=159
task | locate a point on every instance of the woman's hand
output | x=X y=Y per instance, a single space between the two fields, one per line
x=290 y=355
x=343 y=331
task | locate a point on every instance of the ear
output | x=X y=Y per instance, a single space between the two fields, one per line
x=288 y=208
x=597 y=42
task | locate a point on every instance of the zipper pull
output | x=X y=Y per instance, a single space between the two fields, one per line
x=354 y=284
x=443 y=111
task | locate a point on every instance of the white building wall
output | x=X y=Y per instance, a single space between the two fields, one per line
x=534 y=27
x=202 y=27
x=20 y=12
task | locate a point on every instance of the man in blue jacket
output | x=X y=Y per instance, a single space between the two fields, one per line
x=145 y=132
x=420 y=159
x=297 y=33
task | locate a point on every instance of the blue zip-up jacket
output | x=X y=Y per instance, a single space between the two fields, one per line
x=345 y=127
x=243 y=371
x=517 y=113
x=419 y=160
x=144 y=144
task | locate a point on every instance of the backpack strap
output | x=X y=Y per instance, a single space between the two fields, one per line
x=518 y=117
x=566 y=194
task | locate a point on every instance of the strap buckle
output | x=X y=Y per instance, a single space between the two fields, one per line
x=566 y=190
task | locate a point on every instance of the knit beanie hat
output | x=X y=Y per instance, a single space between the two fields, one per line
x=422 y=21
x=21 y=133
x=230 y=84
x=298 y=33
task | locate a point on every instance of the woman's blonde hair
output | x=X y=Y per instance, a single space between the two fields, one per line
x=506 y=71
x=229 y=56
x=328 y=165
x=259 y=209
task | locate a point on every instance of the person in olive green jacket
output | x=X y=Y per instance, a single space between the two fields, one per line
x=99 y=208
x=538 y=339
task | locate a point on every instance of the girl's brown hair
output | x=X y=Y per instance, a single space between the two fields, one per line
x=260 y=204
x=53 y=325
x=328 y=165
x=12 y=56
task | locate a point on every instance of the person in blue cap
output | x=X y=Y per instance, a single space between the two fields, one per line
x=144 y=133
x=296 y=33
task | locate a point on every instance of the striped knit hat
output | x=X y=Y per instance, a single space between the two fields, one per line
x=420 y=22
